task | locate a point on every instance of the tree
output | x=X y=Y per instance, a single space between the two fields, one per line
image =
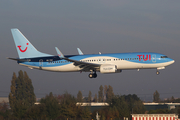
x=85 y=99
x=29 y=90
x=156 y=96
x=37 y=112
x=134 y=104
x=12 y=94
x=68 y=108
x=120 y=106
x=138 y=108
x=159 y=111
x=84 y=112
x=118 y=103
x=95 y=98
x=109 y=93
x=51 y=106
x=79 y=97
x=22 y=94
x=172 y=99
x=89 y=96
x=4 y=111
x=105 y=92
x=100 y=94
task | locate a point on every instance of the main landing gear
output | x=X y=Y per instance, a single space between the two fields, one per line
x=157 y=72
x=93 y=74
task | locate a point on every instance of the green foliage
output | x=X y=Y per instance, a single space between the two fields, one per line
x=12 y=94
x=166 y=111
x=64 y=106
x=110 y=93
x=95 y=98
x=22 y=94
x=171 y=100
x=121 y=106
x=83 y=112
x=134 y=104
x=85 y=99
x=156 y=97
x=79 y=97
x=159 y=111
x=37 y=112
x=4 y=111
x=138 y=107
x=105 y=91
x=29 y=90
x=89 y=96
x=52 y=106
x=68 y=108
x=100 y=94
x=176 y=111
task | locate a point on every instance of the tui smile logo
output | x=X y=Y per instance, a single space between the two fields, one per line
x=24 y=49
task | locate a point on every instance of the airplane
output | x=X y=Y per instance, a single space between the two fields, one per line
x=30 y=57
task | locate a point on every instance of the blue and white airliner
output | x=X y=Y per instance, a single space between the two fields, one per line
x=104 y=63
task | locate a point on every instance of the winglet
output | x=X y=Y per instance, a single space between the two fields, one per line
x=59 y=53
x=80 y=52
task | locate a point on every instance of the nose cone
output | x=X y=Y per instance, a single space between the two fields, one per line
x=171 y=61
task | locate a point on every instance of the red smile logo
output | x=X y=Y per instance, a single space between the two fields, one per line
x=24 y=49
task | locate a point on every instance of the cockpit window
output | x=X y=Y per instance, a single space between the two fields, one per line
x=164 y=56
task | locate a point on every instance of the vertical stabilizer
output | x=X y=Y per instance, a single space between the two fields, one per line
x=24 y=48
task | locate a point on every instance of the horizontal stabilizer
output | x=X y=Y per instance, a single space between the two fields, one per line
x=16 y=59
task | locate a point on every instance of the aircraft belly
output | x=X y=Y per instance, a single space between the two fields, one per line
x=64 y=68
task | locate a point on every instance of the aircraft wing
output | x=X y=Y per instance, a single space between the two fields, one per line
x=83 y=65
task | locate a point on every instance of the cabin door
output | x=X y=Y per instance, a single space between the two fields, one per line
x=41 y=63
x=154 y=58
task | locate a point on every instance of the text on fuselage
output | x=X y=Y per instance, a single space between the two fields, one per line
x=144 y=57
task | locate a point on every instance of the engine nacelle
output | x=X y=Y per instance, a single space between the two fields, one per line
x=108 y=68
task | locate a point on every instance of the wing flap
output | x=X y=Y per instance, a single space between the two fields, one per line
x=83 y=65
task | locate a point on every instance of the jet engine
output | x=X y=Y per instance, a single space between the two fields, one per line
x=108 y=68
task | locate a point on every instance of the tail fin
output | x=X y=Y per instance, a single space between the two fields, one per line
x=24 y=48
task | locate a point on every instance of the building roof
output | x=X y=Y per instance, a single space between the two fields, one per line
x=4 y=99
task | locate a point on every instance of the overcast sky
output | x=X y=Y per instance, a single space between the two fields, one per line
x=106 y=26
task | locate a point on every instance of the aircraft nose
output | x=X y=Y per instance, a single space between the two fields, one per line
x=172 y=61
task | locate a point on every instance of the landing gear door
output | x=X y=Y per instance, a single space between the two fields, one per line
x=153 y=58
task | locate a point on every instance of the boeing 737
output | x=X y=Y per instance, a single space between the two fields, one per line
x=104 y=63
